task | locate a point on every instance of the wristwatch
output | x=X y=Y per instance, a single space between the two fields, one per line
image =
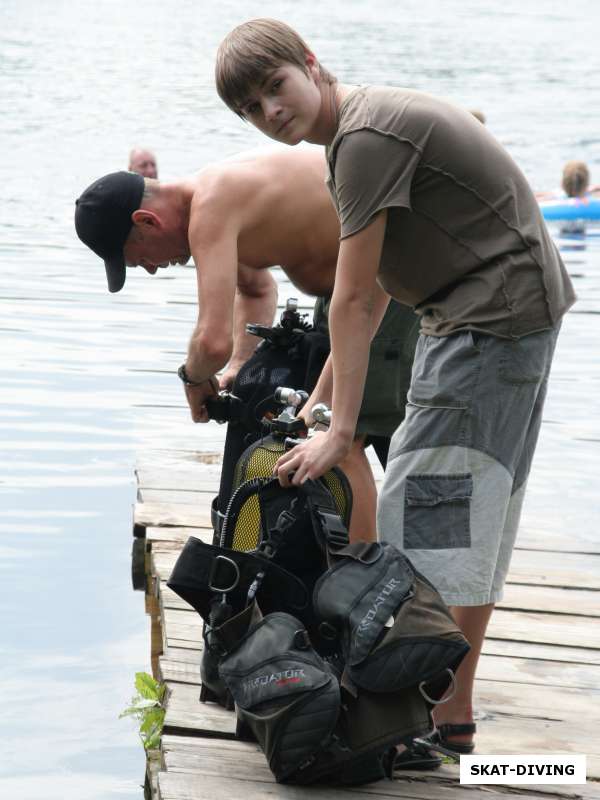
x=184 y=377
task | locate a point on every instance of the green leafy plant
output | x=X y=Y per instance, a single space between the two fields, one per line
x=146 y=707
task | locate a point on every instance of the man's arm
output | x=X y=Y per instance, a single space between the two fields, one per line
x=355 y=302
x=255 y=301
x=213 y=233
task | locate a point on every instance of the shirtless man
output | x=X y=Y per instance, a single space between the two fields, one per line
x=236 y=219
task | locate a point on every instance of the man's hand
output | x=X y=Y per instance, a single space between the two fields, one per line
x=312 y=459
x=196 y=397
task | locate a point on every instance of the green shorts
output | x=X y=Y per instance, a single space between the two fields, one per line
x=390 y=366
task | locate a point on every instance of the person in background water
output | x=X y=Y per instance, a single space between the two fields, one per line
x=435 y=213
x=143 y=162
x=575 y=183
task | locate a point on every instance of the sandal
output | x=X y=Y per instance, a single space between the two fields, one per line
x=422 y=752
x=441 y=734
x=416 y=756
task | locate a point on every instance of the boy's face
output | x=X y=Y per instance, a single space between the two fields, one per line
x=286 y=106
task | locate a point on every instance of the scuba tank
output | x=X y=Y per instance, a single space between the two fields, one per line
x=246 y=516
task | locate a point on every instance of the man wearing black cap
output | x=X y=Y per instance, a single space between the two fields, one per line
x=237 y=219
x=103 y=220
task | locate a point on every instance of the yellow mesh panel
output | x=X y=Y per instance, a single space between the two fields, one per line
x=246 y=534
x=258 y=462
x=334 y=484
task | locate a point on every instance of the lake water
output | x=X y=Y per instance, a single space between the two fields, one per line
x=87 y=377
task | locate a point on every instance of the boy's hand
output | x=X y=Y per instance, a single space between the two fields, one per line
x=310 y=460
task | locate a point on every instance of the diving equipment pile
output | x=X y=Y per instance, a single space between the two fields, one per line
x=331 y=653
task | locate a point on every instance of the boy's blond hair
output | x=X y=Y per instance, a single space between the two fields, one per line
x=576 y=178
x=253 y=49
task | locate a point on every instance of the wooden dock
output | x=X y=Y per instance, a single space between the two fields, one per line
x=538 y=689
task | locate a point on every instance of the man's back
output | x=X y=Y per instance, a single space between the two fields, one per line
x=284 y=212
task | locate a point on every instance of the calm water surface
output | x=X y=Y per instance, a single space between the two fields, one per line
x=87 y=378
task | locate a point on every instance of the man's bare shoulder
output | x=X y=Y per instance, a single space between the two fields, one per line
x=253 y=169
x=240 y=186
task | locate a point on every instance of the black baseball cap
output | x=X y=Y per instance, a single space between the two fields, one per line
x=103 y=220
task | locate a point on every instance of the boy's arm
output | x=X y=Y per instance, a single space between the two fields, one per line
x=255 y=301
x=355 y=304
x=323 y=391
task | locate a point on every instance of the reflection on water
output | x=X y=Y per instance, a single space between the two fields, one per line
x=87 y=378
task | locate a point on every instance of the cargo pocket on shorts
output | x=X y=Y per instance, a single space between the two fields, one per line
x=437 y=511
x=523 y=361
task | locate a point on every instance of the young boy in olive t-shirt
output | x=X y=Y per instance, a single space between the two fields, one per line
x=435 y=213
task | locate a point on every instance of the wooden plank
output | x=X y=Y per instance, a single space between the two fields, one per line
x=569 y=707
x=183 y=626
x=162 y=564
x=188 y=459
x=554 y=629
x=202 y=769
x=177 y=480
x=555 y=569
x=178 y=535
x=242 y=767
x=163 y=561
x=169 y=599
x=558 y=629
x=185 y=711
x=530 y=538
x=515 y=718
x=176 y=515
x=516 y=596
x=174 y=474
x=515 y=734
x=183 y=618
x=181 y=786
x=532 y=650
x=528 y=567
x=187 y=496
x=580 y=602
x=534 y=672
x=184 y=655
x=179 y=671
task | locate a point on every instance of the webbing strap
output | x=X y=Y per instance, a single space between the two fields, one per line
x=203 y=571
x=326 y=520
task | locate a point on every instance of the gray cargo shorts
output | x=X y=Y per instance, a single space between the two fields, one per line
x=453 y=489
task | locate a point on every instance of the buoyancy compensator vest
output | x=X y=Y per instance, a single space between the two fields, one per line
x=345 y=664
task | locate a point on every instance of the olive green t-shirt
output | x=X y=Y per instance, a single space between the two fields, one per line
x=465 y=243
